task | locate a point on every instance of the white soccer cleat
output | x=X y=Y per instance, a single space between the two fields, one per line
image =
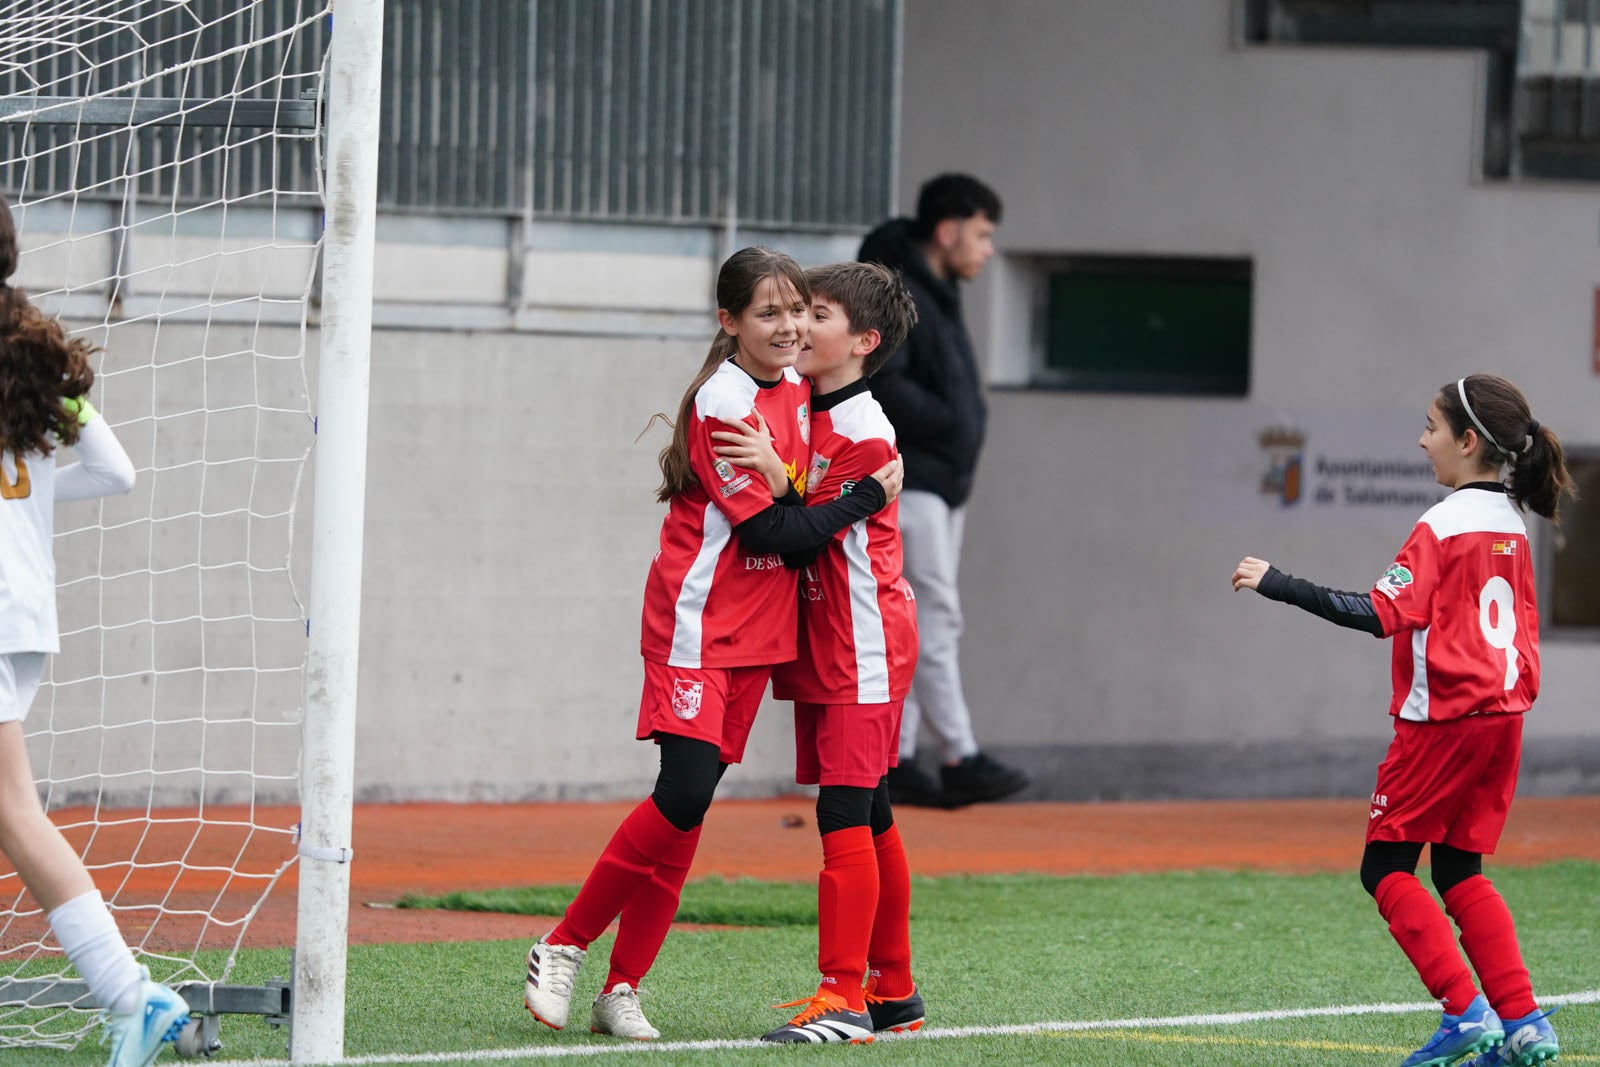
x=552 y=970
x=618 y=1013
x=137 y=1037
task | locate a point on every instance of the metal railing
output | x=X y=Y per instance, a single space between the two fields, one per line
x=775 y=113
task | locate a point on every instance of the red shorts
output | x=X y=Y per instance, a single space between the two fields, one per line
x=846 y=744
x=1448 y=782
x=716 y=704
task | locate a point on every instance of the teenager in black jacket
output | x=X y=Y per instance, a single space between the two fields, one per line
x=932 y=393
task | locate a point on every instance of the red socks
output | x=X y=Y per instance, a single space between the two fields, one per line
x=847 y=900
x=643 y=840
x=1490 y=937
x=647 y=916
x=1424 y=935
x=889 y=955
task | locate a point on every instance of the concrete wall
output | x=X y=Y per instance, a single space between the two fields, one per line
x=510 y=513
x=1103 y=645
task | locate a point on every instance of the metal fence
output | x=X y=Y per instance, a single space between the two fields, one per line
x=94 y=101
x=774 y=112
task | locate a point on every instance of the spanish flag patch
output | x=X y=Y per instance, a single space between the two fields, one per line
x=1504 y=548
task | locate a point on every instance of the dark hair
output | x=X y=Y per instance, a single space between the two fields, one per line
x=873 y=298
x=736 y=287
x=1538 y=474
x=40 y=366
x=952 y=196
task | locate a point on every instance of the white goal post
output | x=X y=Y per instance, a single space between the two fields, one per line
x=180 y=172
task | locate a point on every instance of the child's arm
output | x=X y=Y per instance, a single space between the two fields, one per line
x=750 y=447
x=789 y=529
x=1352 y=610
x=103 y=467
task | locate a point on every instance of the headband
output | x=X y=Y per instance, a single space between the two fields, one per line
x=1461 y=390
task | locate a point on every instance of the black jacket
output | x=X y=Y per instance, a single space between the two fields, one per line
x=930 y=388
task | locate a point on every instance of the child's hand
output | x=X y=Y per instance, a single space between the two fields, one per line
x=892 y=475
x=750 y=447
x=1249 y=572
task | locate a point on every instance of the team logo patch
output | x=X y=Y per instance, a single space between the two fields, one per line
x=1394 y=579
x=1504 y=548
x=724 y=470
x=686 y=698
x=803 y=415
x=819 y=467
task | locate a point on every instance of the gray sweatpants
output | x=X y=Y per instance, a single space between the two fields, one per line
x=931 y=530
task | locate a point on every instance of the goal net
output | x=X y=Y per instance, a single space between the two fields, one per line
x=161 y=160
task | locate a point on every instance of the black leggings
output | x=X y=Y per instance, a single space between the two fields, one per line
x=690 y=771
x=1451 y=866
x=840 y=807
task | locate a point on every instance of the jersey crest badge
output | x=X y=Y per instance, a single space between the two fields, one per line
x=724 y=470
x=1394 y=579
x=1503 y=548
x=686 y=698
x=802 y=415
x=819 y=467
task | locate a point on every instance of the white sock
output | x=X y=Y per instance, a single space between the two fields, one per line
x=90 y=937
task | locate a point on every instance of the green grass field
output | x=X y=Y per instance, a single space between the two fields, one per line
x=992 y=952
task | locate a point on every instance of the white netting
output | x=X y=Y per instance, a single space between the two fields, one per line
x=171 y=212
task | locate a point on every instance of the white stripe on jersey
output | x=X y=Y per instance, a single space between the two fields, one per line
x=860 y=418
x=1474 y=511
x=866 y=619
x=1416 y=706
x=729 y=394
x=688 y=631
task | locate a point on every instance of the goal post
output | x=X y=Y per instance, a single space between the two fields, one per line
x=180 y=172
x=328 y=755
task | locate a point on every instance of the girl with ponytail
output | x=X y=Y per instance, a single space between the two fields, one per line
x=720 y=611
x=1459 y=602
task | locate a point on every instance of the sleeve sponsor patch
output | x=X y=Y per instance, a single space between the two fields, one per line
x=724 y=470
x=1394 y=579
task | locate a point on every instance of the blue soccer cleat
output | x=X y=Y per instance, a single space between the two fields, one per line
x=136 y=1037
x=1529 y=1040
x=1477 y=1029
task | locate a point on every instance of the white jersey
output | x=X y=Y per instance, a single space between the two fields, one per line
x=30 y=484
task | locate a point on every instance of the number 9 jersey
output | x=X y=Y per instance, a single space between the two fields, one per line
x=1462 y=589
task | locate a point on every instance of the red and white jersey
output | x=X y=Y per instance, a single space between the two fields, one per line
x=858 y=618
x=1459 y=603
x=707 y=602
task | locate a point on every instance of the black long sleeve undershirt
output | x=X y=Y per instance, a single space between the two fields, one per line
x=789 y=526
x=1352 y=610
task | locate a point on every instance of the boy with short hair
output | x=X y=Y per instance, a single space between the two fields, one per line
x=857 y=651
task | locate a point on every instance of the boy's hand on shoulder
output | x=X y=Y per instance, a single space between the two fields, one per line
x=750 y=447
x=1249 y=572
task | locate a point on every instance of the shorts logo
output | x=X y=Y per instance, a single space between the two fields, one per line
x=1503 y=548
x=686 y=698
x=724 y=470
x=1394 y=579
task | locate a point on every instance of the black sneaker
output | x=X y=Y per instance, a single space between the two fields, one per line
x=905 y=1015
x=911 y=786
x=978 y=779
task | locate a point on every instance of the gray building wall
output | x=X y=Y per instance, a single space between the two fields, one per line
x=510 y=512
x=1103 y=646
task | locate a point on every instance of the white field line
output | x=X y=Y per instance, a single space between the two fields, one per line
x=933 y=1033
